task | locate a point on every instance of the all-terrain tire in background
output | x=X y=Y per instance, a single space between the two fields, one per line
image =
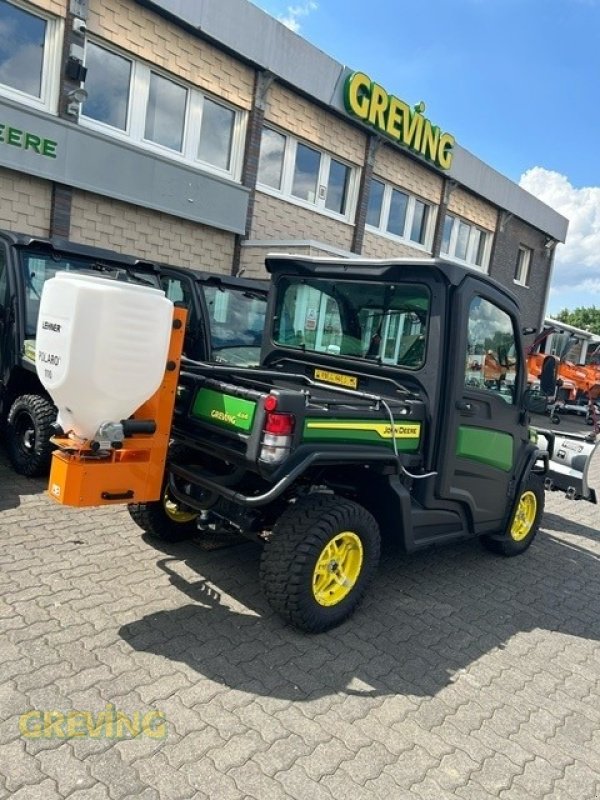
x=524 y=523
x=321 y=558
x=166 y=519
x=29 y=426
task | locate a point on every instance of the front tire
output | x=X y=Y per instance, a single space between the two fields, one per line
x=322 y=556
x=524 y=523
x=28 y=431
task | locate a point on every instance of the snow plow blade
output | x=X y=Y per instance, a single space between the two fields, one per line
x=569 y=456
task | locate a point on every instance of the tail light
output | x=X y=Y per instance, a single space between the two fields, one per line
x=277 y=437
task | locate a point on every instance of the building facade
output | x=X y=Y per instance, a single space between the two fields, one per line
x=207 y=134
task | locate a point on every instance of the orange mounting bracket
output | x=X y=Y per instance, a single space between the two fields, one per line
x=133 y=472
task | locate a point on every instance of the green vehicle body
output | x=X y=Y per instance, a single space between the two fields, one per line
x=364 y=414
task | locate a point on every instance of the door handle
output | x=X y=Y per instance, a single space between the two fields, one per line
x=466 y=409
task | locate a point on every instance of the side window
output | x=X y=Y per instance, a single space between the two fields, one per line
x=179 y=293
x=492 y=360
x=175 y=291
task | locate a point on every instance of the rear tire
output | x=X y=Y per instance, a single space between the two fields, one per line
x=524 y=523
x=29 y=426
x=322 y=556
x=165 y=519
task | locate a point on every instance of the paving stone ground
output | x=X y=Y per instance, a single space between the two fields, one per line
x=463 y=675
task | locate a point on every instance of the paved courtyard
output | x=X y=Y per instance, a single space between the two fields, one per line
x=463 y=674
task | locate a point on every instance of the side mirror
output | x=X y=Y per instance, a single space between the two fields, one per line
x=548 y=376
x=535 y=402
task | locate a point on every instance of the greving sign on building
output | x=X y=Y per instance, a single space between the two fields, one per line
x=396 y=120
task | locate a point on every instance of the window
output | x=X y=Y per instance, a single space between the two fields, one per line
x=165 y=112
x=337 y=187
x=107 y=84
x=523 y=264
x=29 y=55
x=270 y=164
x=236 y=318
x=305 y=174
x=465 y=242
x=492 y=360
x=360 y=319
x=375 y=205
x=216 y=135
x=127 y=98
x=399 y=214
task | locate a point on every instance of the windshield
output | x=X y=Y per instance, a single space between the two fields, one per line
x=358 y=319
x=236 y=318
x=40 y=267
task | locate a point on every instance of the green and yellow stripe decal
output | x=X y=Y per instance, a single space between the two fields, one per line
x=407 y=434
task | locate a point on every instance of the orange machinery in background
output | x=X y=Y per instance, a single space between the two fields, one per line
x=86 y=473
x=578 y=379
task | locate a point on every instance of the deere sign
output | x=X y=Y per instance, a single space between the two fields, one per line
x=397 y=120
x=27 y=141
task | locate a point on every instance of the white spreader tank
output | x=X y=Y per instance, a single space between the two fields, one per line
x=101 y=348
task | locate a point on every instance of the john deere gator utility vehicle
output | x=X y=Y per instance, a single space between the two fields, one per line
x=372 y=413
x=225 y=319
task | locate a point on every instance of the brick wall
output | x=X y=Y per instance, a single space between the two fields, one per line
x=148 y=234
x=375 y=246
x=253 y=257
x=277 y=219
x=25 y=203
x=56 y=7
x=472 y=208
x=503 y=264
x=152 y=38
x=404 y=172
x=293 y=113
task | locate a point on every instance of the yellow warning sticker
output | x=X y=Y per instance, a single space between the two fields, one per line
x=336 y=377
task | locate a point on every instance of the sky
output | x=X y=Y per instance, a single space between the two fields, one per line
x=517 y=82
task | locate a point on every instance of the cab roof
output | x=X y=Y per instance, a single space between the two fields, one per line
x=375 y=269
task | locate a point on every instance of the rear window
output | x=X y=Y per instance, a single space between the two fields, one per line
x=357 y=319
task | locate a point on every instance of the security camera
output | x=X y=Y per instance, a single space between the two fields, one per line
x=79 y=26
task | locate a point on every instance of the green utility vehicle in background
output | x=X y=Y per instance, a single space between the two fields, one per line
x=225 y=322
x=391 y=399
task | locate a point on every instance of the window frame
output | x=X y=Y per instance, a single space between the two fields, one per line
x=134 y=133
x=523 y=265
x=384 y=214
x=473 y=243
x=290 y=149
x=50 y=78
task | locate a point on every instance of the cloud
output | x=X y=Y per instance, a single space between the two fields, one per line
x=291 y=19
x=577 y=265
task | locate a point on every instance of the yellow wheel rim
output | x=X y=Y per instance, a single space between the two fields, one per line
x=524 y=516
x=174 y=512
x=337 y=569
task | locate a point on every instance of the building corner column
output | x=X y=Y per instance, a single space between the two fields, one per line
x=262 y=83
x=362 y=204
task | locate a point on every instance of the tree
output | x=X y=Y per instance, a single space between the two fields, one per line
x=588 y=319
